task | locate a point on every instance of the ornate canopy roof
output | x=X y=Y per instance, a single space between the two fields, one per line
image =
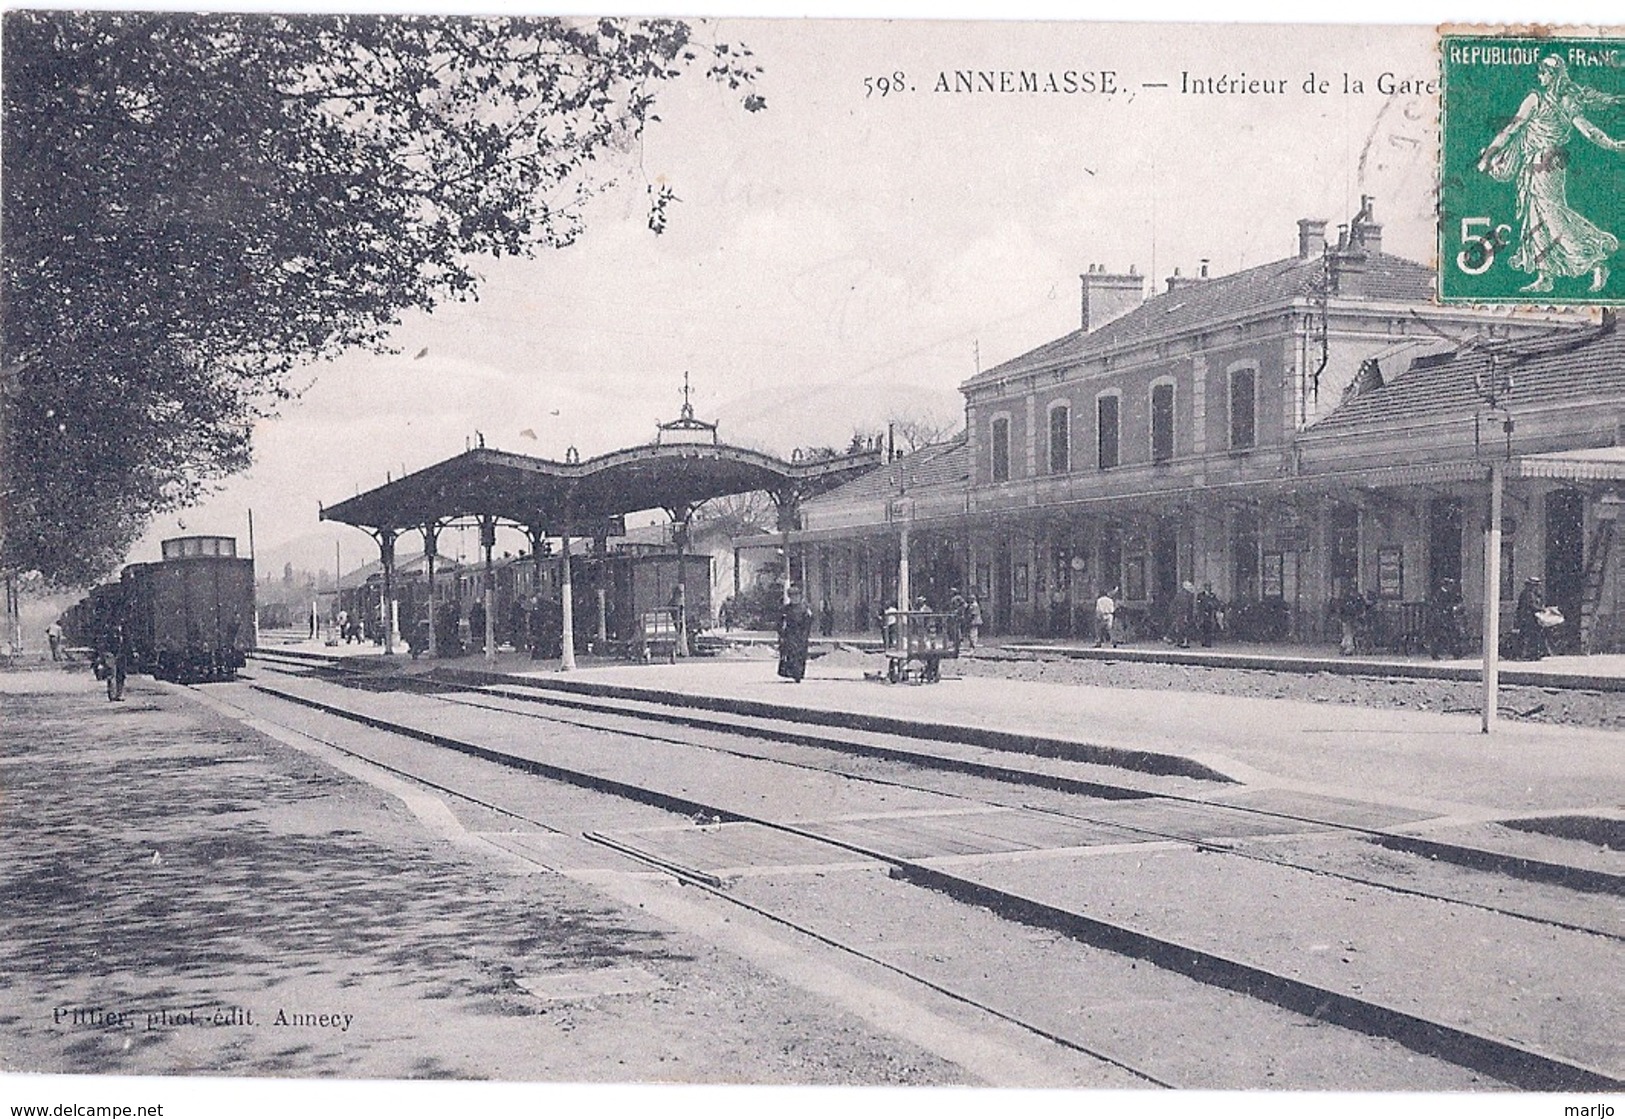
x=555 y=496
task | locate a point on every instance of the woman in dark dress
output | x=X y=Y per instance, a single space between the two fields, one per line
x=1531 y=637
x=795 y=627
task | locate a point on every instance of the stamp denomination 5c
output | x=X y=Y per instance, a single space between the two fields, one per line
x=1531 y=206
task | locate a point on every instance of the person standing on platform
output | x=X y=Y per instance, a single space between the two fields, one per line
x=1531 y=637
x=53 y=636
x=1207 y=614
x=1444 y=621
x=960 y=609
x=516 y=624
x=973 y=614
x=476 y=626
x=1106 y=618
x=1184 y=614
x=795 y=628
x=115 y=660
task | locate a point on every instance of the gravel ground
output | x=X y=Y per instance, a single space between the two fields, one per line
x=169 y=873
x=1546 y=705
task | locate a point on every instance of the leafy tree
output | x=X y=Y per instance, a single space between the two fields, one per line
x=195 y=205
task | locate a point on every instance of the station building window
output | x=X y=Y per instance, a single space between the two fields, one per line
x=1243 y=407
x=1106 y=431
x=1060 y=439
x=1001 y=449
x=1162 y=421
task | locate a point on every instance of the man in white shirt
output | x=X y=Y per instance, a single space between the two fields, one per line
x=1106 y=619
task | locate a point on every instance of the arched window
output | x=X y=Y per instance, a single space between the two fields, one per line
x=1001 y=449
x=1243 y=407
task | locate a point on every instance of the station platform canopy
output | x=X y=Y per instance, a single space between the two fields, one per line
x=685 y=466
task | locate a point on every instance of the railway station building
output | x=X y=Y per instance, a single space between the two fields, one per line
x=1285 y=433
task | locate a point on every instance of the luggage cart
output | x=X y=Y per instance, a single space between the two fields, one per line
x=917 y=642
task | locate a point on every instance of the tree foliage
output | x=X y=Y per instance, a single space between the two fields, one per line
x=195 y=205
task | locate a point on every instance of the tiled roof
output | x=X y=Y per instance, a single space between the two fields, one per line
x=938 y=466
x=1386 y=278
x=1567 y=367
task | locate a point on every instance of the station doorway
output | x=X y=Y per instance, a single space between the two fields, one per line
x=1565 y=564
x=1444 y=543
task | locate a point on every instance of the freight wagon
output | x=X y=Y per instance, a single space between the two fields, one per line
x=189 y=617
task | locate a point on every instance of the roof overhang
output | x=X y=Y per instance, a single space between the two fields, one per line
x=1602 y=464
x=554 y=496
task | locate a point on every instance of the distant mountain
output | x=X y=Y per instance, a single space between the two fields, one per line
x=314 y=551
x=826 y=414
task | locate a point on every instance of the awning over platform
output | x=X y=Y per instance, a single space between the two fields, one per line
x=574 y=496
x=1599 y=464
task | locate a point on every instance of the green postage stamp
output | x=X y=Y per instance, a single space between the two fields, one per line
x=1532 y=179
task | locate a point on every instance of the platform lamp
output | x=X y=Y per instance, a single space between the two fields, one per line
x=1494 y=385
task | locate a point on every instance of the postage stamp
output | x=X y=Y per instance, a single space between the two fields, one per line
x=1531 y=208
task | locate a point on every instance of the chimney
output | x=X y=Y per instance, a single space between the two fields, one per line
x=1365 y=233
x=1109 y=295
x=1177 y=281
x=1311 y=238
x=1346 y=265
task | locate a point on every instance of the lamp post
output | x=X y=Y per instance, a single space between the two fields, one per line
x=1494 y=386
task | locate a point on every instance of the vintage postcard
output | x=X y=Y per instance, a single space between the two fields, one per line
x=890 y=554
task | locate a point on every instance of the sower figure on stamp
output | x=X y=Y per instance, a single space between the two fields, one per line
x=795 y=628
x=1554 y=239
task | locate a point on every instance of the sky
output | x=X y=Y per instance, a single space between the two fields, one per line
x=846 y=255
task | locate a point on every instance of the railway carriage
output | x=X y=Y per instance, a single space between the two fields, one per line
x=188 y=617
x=633 y=585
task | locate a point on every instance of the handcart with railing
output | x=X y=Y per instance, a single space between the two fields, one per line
x=917 y=642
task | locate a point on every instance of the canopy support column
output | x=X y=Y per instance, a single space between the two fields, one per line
x=788 y=503
x=431 y=533
x=488 y=541
x=566 y=602
x=680 y=517
x=600 y=551
x=537 y=535
x=386 y=606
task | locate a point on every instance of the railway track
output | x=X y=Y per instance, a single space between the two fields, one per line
x=622 y=713
x=1076 y=795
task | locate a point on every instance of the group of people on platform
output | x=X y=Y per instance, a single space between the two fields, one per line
x=1443 y=631
x=536 y=626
